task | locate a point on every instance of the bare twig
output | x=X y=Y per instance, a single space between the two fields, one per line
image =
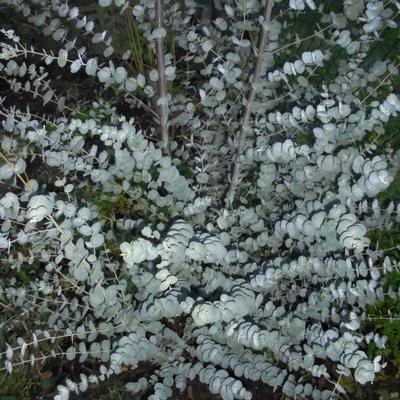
x=144 y=105
x=162 y=84
x=245 y=124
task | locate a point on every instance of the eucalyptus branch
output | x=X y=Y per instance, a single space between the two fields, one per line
x=162 y=83
x=112 y=239
x=245 y=124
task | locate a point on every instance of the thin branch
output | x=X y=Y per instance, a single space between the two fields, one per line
x=245 y=124
x=162 y=83
x=144 y=105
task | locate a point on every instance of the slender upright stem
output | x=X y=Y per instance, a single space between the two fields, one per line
x=162 y=82
x=245 y=124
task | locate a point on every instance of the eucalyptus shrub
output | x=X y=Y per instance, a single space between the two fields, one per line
x=236 y=249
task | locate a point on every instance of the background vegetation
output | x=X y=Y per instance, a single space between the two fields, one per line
x=40 y=382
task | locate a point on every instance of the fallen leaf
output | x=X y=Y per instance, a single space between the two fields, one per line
x=190 y=392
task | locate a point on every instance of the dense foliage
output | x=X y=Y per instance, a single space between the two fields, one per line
x=216 y=226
